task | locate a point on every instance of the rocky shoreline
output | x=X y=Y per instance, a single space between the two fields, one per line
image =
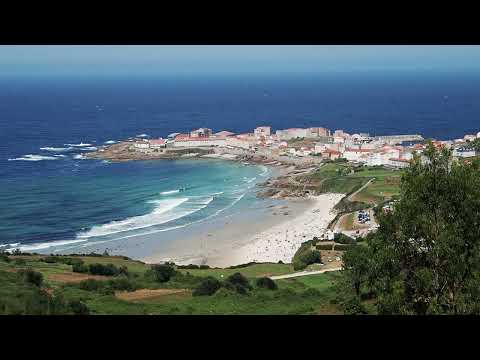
x=288 y=183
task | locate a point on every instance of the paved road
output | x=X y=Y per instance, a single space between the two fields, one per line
x=304 y=273
x=363 y=187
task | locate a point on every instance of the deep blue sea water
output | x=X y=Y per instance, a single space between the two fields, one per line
x=51 y=194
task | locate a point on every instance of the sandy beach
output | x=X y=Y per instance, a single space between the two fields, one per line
x=275 y=237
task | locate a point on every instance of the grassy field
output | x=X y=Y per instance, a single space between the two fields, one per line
x=344 y=178
x=303 y=295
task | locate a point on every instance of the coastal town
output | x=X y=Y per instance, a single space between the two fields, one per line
x=294 y=145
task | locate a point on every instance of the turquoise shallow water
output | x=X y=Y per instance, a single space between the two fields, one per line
x=89 y=202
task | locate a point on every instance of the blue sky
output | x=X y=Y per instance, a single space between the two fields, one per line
x=231 y=59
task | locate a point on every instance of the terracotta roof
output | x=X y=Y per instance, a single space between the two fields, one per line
x=157 y=141
x=358 y=150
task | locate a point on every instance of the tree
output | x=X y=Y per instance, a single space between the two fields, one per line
x=266 y=283
x=238 y=282
x=207 y=287
x=425 y=256
x=356 y=266
x=31 y=277
x=163 y=272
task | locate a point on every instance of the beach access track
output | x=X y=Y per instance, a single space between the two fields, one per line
x=304 y=273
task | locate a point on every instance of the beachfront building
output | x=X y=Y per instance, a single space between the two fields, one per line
x=355 y=154
x=202 y=132
x=238 y=141
x=199 y=141
x=292 y=133
x=262 y=132
x=398 y=163
x=156 y=144
x=331 y=154
x=462 y=152
x=141 y=145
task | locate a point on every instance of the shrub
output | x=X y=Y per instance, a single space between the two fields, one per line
x=4 y=257
x=242 y=265
x=70 y=261
x=90 y=285
x=189 y=266
x=207 y=287
x=305 y=256
x=78 y=307
x=20 y=262
x=266 y=283
x=123 y=270
x=101 y=269
x=238 y=282
x=31 y=277
x=324 y=246
x=49 y=259
x=123 y=284
x=80 y=268
x=344 y=239
x=311 y=257
x=204 y=267
x=163 y=272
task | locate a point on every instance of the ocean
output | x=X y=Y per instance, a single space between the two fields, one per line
x=54 y=200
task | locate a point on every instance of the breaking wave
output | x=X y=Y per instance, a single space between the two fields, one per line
x=56 y=149
x=78 y=145
x=32 y=157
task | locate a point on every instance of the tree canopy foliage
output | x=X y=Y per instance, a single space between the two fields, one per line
x=425 y=256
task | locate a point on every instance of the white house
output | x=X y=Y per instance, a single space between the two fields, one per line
x=157 y=143
x=142 y=145
x=188 y=141
x=262 y=132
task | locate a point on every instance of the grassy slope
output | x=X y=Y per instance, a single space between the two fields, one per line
x=337 y=178
x=307 y=295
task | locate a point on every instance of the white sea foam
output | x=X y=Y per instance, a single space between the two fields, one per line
x=56 y=149
x=60 y=156
x=41 y=246
x=143 y=135
x=32 y=157
x=170 y=192
x=78 y=145
x=110 y=142
x=162 y=213
x=79 y=157
x=88 y=148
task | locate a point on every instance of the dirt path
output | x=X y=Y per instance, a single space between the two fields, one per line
x=304 y=273
x=147 y=294
x=363 y=187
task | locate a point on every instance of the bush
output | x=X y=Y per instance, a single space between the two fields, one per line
x=238 y=282
x=266 y=283
x=4 y=258
x=305 y=256
x=324 y=246
x=49 y=259
x=123 y=283
x=344 y=239
x=78 y=307
x=163 y=272
x=31 y=277
x=311 y=257
x=242 y=265
x=189 y=266
x=101 y=269
x=203 y=267
x=207 y=287
x=80 y=268
x=20 y=262
x=90 y=285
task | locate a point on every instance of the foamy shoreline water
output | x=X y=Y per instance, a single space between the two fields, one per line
x=272 y=238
